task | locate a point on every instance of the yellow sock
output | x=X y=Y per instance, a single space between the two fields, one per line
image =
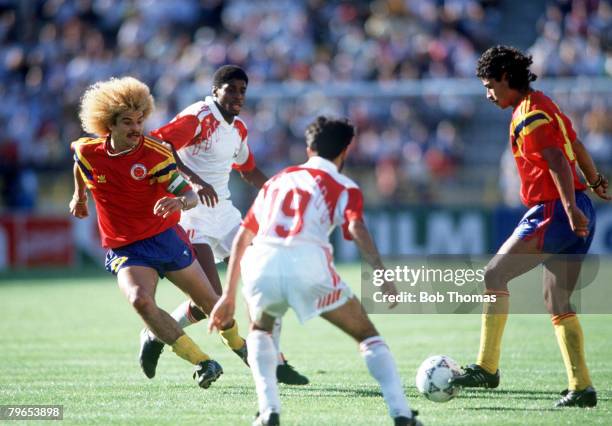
x=494 y=316
x=231 y=338
x=188 y=350
x=571 y=342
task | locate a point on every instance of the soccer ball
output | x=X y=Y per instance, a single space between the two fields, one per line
x=432 y=378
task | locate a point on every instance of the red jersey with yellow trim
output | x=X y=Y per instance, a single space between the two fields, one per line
x=538 y=123
x=303 y=204
x=126 y=187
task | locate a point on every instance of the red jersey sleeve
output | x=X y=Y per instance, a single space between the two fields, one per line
x=244 y=161
x=538 y=131
x=79 y=142
x=87 y=171
x=568 y=129
x=352 y=211
x=247 y=166
x=179 y=132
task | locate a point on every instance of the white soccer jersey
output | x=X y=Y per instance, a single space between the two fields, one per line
x=208 y=144
x=303 y=204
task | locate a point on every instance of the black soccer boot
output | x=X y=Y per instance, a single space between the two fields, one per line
x=405 y=421
x=272 y=420
x=474 y=376
x=285 y=373
x=585 y=398
x=207 y=372
x=150 y=350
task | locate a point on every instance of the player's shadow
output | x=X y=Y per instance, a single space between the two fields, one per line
x=529 y=392
x=329 y=391
x=318 y=391
x=497 y=408
x=511 y=394
x=601 y=396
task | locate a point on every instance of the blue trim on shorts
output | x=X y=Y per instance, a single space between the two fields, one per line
x=548 y=223
x=165 y=252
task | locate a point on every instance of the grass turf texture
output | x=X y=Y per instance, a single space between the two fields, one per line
x=73 y=340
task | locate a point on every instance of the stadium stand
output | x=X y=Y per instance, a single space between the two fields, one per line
x=420 y=148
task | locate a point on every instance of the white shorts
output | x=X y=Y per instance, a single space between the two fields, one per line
x=302 y=277
x=216 y=226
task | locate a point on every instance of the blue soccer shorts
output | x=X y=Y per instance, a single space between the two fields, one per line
x=548 y=223
x=167 y=251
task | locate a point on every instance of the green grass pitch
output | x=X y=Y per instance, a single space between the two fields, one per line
x=73 y=340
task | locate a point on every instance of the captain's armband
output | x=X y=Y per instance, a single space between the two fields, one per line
x=177 y=184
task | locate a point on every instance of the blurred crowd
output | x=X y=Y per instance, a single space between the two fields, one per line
x=575 y=38
x=51 y=50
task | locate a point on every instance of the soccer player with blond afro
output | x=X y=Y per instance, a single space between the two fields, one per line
x=139 y=196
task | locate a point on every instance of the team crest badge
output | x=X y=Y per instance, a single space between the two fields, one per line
x=138 y=171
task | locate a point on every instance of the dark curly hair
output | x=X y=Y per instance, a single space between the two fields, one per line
x=229 y=72
x=329 y=136
x=509 y=60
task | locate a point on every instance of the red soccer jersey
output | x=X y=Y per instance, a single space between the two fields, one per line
x=126 y=188
x=538 y=123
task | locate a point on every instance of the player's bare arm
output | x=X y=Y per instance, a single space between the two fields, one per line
x=596 y=181
x=167 y=205
x=205 y=192
x=562 y=176
x=369 y=252
x=254 y=177
x=226 y=305
x=78 y=204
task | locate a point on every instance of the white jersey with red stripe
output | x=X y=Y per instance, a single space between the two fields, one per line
x=303 y=204
x=208 y=144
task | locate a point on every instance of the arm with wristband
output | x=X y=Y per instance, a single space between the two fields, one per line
x=184 y=197
x=595 y=180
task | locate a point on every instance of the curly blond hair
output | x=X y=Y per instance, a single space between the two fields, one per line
x=105 y=100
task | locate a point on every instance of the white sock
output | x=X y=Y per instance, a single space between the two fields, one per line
x=381 y=366
x=262 y=359
x=276 y=331
x=182 y=315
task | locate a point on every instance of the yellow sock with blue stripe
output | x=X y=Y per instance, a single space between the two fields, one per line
x=494 y=317
x=188 y=350
x=571 y=342
x=231 y=338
